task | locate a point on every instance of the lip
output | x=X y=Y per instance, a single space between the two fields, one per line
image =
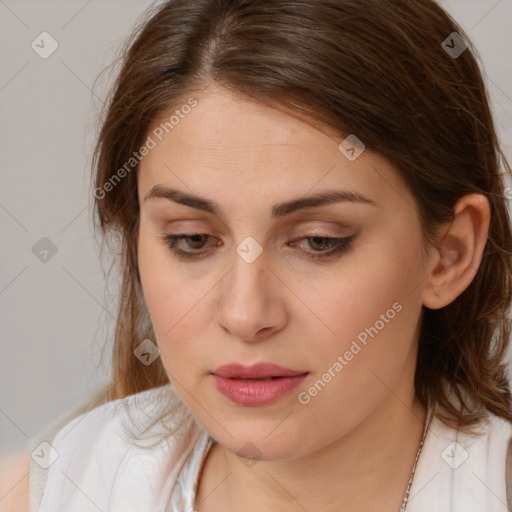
x=229 y=381
x=255 y=371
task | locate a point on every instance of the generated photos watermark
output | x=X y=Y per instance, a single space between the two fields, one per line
x=151 y=142
x=304 y=397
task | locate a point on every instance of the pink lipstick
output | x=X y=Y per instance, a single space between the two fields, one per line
x=256 y=385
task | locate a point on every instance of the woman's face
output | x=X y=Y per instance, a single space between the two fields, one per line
x=266 y=285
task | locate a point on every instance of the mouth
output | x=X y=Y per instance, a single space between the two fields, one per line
x=256 y=385
x=259 y=371
x=258 y=380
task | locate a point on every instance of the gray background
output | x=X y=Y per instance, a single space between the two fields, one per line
x=57 y=316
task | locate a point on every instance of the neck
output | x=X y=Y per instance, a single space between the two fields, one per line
x=368 y=469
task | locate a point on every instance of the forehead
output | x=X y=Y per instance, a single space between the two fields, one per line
x=229 y=146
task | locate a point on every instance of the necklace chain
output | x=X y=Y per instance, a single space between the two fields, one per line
x=408 y=490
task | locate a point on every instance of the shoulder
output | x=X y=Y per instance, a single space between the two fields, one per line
x=133 y=419
x=14 y=487
x=98 y=455
x=488 y=444
x=463 y=468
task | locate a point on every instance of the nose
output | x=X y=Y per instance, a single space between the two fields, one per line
x=252 y=304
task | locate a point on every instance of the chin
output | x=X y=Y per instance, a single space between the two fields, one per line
x=259 y=440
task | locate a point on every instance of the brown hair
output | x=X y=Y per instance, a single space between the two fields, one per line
x=375 y=68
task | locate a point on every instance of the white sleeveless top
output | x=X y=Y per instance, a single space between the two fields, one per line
x=99 y=467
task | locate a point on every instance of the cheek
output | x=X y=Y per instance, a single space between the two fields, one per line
x=177 y=306
x=156 y=282
x=355 y=373
x=372 y=315
x=367 y=286
x=373 y=330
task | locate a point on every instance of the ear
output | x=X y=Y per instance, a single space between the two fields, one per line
x=456 y=258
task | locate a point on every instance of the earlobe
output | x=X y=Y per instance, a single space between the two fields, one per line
x=457 y=257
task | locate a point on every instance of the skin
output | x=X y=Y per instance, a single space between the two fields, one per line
x=353 y=445
x=14 y=483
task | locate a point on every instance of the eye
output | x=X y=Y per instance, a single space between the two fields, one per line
x=338 y=246
x=196 y=242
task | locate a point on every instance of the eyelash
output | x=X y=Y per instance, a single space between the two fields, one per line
x=341 y=245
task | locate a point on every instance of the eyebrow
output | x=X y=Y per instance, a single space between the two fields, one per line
x=278 y=210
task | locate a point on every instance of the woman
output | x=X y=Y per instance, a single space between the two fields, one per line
x=316 y=265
